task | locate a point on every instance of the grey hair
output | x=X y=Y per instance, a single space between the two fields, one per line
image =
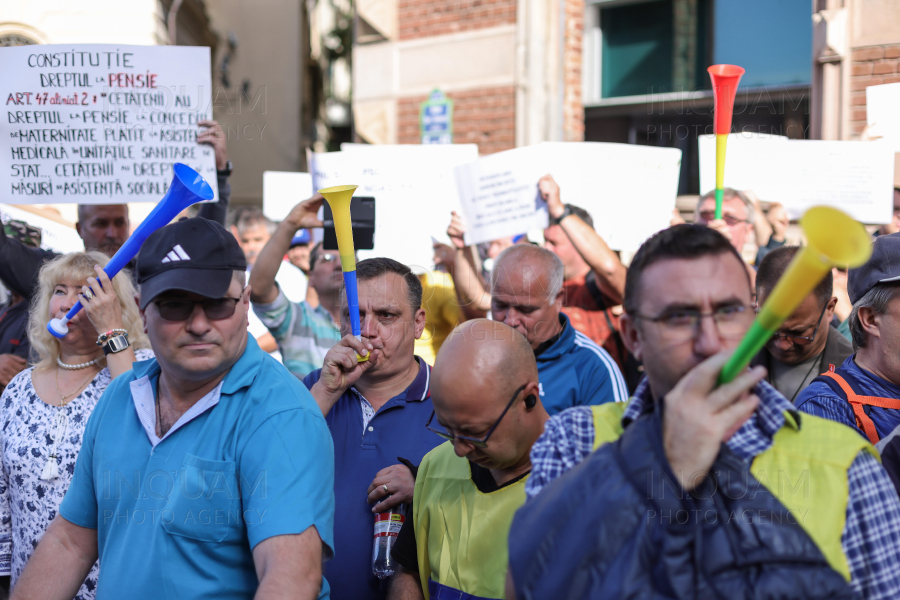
x=728 y=194
x=540 y=258
x=83 y=210
x=876 y=299
x=251 y=217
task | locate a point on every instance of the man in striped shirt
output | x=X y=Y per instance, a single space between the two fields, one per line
x=304 y=332
x=526 y=294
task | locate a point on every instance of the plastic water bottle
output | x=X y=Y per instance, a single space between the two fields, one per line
x=387 y=527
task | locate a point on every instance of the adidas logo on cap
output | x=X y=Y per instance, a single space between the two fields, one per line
x=177 y=254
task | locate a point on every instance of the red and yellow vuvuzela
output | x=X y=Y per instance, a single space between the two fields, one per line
x=725 y=79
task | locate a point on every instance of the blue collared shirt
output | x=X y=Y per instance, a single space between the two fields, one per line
x=396 y=430
x=871 y=537
x=179 y=517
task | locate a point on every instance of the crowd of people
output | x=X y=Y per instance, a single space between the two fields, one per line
x=541 y=420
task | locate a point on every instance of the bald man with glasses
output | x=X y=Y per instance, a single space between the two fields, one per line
x=487 y=405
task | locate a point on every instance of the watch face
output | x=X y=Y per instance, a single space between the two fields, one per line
x=117 y=343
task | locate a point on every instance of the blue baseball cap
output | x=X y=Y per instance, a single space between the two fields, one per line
x=883 y=267
x=302 y=237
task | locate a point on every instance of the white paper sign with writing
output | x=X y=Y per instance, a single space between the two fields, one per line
x=101 y=124
x=856 y=177
x=413 y=191
x=629 y=190
x=499 y=196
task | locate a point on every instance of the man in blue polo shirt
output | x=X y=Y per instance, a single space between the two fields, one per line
x=206 y=472
x=526 y=294
x=377 y=412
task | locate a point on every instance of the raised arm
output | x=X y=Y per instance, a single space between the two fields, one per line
x=262 y=276
x=608 y=269
x=762 y=229
x=466 y=277
x=105 y=314
x=59 y=565
x=289 y=567
x=213 y=136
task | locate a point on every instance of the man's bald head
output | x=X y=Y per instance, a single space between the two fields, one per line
x=536 y=267
x=483 y=369
x=485 y=354
x=526 y=292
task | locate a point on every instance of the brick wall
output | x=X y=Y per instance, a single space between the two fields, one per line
x=873 y=65
x=485 y=116
x=573 y=109
x=423 y=18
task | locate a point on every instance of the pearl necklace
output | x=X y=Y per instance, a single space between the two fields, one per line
x=76 y=367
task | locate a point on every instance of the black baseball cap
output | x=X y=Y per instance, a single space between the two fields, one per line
x=194 y=255
x=883 y=267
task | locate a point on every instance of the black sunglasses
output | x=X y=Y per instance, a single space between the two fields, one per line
x=477 y=442
x=180 y=309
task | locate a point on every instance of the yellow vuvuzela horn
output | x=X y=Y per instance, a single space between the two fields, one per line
x=835 y=240
x=338 y=198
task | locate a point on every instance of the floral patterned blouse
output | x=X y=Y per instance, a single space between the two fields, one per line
x=27 y=503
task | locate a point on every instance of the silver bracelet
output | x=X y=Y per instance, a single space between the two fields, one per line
x=103 y=337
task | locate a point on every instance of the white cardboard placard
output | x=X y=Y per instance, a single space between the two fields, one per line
x=413 y=190
x=282 y=190
x=856 y=177
x=101 y=124
x=629 y=190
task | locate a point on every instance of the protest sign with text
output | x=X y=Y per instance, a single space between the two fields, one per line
x=628 y=189
x=102 y=124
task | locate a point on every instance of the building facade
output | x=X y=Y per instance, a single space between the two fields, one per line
x=511 y=68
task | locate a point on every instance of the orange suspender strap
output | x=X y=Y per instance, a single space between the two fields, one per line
x=857 y=402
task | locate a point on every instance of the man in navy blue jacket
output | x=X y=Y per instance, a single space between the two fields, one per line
x=527 y=295
x=376 y=411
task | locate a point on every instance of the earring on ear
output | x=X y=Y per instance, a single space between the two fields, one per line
x=530 y=401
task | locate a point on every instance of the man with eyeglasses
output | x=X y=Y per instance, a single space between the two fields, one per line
x=739 y=219
x=486 y=403
x=864 y=391
x=693 y=489
x=304 y=331
x=205 y=472
x=806 y=344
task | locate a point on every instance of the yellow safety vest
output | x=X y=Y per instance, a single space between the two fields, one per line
x=461 y=533
x=805 y=468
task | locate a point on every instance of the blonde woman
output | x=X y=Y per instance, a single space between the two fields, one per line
x=44 y=409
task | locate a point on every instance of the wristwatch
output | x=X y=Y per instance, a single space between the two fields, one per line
x=226 y=172
x=115 y=344
x=566 y=213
